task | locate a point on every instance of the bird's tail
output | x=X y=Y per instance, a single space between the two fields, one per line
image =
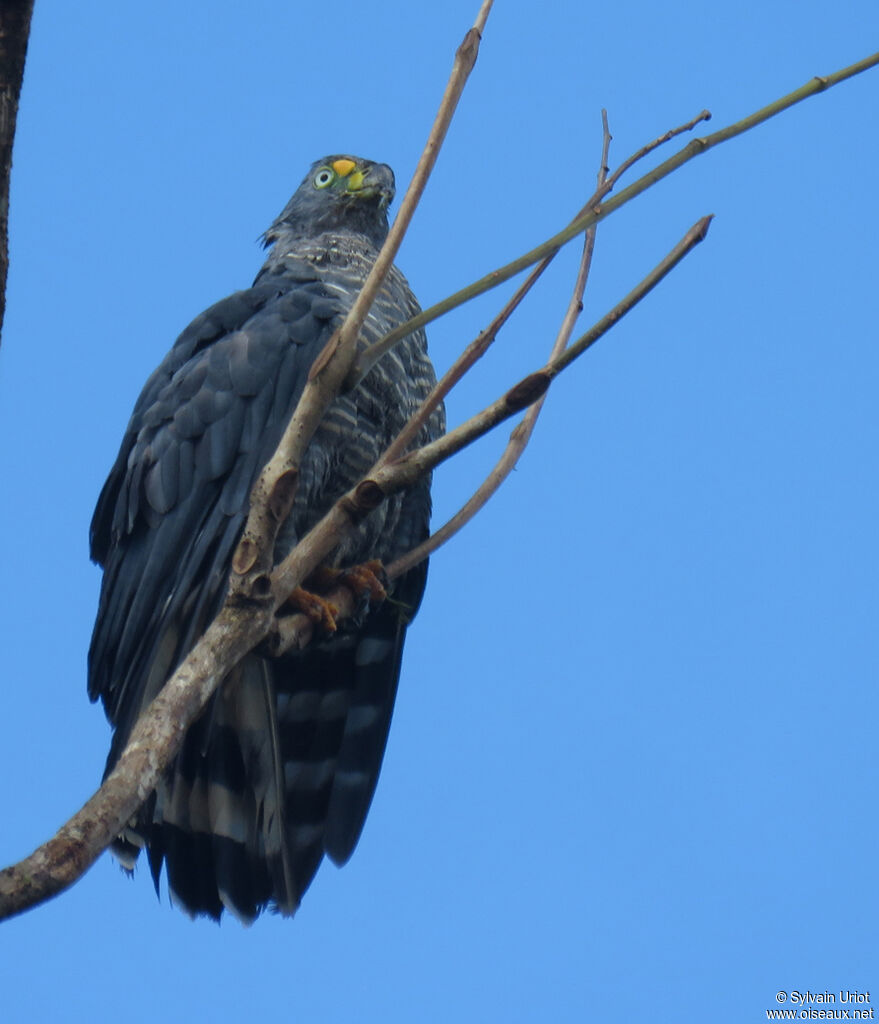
x=279 y=770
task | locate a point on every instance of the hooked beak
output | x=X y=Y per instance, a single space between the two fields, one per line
x=370 y=182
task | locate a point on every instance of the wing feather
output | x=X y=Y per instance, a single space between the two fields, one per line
x=283 y=765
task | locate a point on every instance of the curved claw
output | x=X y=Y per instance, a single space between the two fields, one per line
x=366 y=580
x=322 y=613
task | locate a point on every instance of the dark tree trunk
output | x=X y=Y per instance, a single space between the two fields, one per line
x=15 y=24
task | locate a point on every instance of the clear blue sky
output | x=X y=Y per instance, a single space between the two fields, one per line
x=632 y=773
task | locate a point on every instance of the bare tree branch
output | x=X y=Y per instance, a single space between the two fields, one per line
x=639 y=154
x=274 y=492
x=239 y=628
x=527 y=391
x=468 y=358
x=389 y=477
x=521 y=434
x=242 y=624
x=480 y=345
x=587 y=218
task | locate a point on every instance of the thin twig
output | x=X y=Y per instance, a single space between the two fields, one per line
x=691 y=239
x=521 y=434
x=655 y=144
x=367 y=358
x=471 y=354
x=477 y=348
x=587 y=218
x=274 y=492
x=530 y=388
x=385 y=479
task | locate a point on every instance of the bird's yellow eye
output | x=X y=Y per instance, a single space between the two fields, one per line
x=323 y=177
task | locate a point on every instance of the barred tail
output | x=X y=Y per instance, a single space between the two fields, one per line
x=280 y=770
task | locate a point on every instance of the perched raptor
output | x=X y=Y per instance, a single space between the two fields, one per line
x=282 y=766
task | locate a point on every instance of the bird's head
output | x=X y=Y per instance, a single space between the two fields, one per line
x=340 y=194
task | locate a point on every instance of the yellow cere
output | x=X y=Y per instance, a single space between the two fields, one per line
x=355 y=181
x=343 y=167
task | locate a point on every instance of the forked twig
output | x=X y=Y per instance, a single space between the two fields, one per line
x=521 y=434
x=477 y=348
x=587 y=218
x=655 y=144
x=385 y=478
x=468 y=358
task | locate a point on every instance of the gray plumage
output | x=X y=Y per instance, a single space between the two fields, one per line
x=282 y=766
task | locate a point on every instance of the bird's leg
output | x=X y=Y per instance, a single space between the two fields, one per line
x=320 y=611
x=365 y=580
